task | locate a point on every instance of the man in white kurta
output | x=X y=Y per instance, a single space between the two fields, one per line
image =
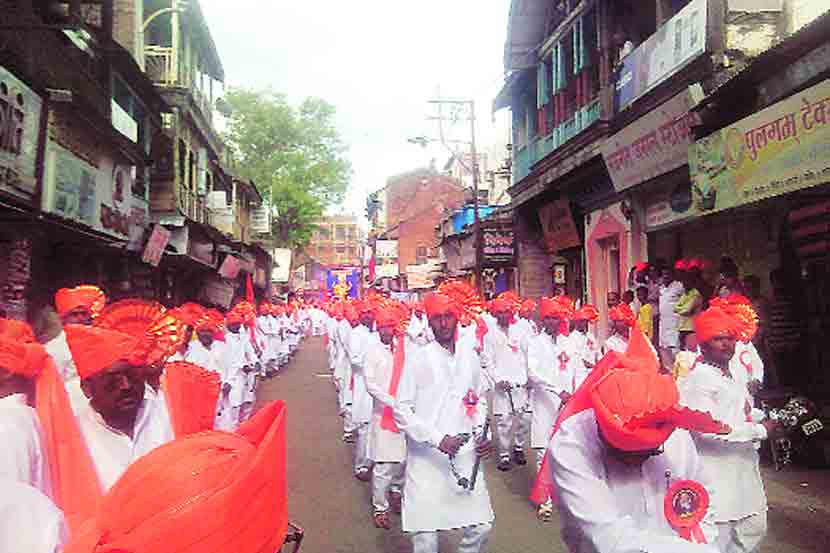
x=117 y=412
x=622 y=320
x=417 y=330
x=29 y=521
x=239 y=359
x=730 y=461
x=585 y=341
x=76 y=305
x=441 y=398
x=343 y=374
x=361 y=339
x=611 y=476
x=388 y=442
x=505 y=364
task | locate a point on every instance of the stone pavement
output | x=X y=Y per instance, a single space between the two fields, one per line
x=334 y=508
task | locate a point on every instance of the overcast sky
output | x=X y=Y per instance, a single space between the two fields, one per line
x=377 y=61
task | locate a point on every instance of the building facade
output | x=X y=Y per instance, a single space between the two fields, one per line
x=337 y=240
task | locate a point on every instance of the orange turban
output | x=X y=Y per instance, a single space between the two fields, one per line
x=95 y=349
x=622 y=312
x=211 y=320
x=188 y=313
x=387 y=316
x=714 y=322
x=586 y=313
x=14 y=335
x=528 y=307
x=741 y=309
x=86 y=296
x=211 y=492
x=158 y=332
x=350 y=313
x=234 y=317
x=439 y=304
x=560 y=307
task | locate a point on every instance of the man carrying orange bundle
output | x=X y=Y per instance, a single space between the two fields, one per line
x=505 y=364
x=384 y=366
x=79 y=305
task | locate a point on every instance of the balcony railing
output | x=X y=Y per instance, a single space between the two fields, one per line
x=159 y=65
x=193 y=206
x=543 y=146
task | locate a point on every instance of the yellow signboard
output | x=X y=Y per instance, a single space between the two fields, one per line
x=783 y=148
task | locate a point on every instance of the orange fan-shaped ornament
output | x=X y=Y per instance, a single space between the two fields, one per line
x=160 y=333
x=465 y=296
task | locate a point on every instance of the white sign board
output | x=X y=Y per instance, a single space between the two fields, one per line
x=281 y=271
x=261 y=220
x=386 y=249
x=387 y=270
x=123 y=122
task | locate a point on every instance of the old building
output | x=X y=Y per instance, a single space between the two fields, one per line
x=337 y=240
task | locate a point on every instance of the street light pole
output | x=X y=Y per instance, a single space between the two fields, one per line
x=476 y=218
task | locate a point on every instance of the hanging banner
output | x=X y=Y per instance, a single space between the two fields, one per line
x=230 y=267
x=655 y=144
x=156 y=244
x=558 y=226
x=778 y=150
x=681 y=40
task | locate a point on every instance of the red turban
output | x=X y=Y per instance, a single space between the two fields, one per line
x=234 y=317
x=87 y=296
x=188 y=313
x=586 y=313
x=12 y=347
x=210 y=492
x=387 y=316
x=714 y=322
x=741 y=309
x=439 y=304
x=528 y=307
x=158 y=332
x=560 y=307
x=681 y=265
x=622 y=312
x=501 y=305
x=96 y=349
x=350 y=313
x=211 y=320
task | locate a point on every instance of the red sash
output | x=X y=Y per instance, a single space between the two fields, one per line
x=387 y=421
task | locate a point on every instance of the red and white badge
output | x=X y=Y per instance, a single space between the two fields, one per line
x=685 y=505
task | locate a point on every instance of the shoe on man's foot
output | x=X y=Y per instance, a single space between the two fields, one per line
x=364 y=475
x=519 y=457
x=349 y=437
x=504 y=464
x=381 y=519
x=545 y=511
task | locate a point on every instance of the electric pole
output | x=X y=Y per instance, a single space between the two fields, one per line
x=473 y=169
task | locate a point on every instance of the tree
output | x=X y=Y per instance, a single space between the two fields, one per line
x=295 y=155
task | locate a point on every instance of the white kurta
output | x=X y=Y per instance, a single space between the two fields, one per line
x=22 y=458
x=730 y=461
x=430 y=405
x=615 y=342
x=611 y=507
x=669 y=296
x=342 y=365
x=29 y=521
x=587 y=346
x=236 y=354
x=360 y=340
x=552 y=367
x=111 y=450
x=387 y=446
x=746 y=365
x=58 y=348
x=418 y=330
x=504 y=360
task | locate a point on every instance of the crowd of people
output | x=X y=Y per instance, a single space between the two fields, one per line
x=132 y=396
x=637 y=451
x=122 y=429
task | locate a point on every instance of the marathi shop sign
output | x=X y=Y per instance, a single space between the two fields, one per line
x=498 y=244
x=783 y=148
x=681 y=40
x=20 y=116
x=558 y=226
x=654 y=144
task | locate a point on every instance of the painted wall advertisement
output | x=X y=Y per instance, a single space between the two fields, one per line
x=654 y=144
x=558 y=226
x=20 y=116
x=677 y=43
x=783 y=148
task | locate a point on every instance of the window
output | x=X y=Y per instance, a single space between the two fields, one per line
x=341 y=250
x=421 y=253
x=340 y=232
x=182 y=163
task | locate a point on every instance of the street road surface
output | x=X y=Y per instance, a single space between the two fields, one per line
x=335 y=509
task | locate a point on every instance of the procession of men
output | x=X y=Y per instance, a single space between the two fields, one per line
x=632 y=455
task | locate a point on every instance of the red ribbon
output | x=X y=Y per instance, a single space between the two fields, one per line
x=747 y=364
x=687 y=524
x=387 y=421
x=470 y=403
x=563 y=361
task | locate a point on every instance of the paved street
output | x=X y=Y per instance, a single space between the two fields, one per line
x=334 y=508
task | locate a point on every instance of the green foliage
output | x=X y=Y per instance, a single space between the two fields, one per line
x=295 y=155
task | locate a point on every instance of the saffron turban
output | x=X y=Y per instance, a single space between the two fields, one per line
x=586 y=313
x=741 y=309
x=159 y=333
x=714 y=322
x=234 y=317
x=528 y=307
x=388 y=316
x=212 y=492
x=86 y=296
x=96 y=349
x=13 y=337
x=350 y=313
x=188 y=313
x=437 y=304
x=560 y=307
x=622 y=312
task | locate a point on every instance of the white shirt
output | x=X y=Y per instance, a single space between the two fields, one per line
x=615 y=342
x=360 y=340
x=730 y=461
x=552 y=368
x=587 y=346
x=418 y=330
x=238 y=352
x=746 y=365
x=22 y=457
x=504 y=360
x=669 y=296
x=611 y=507
x=387 y=446
x=111 y=450
x=431 y=405
x=29 y=521
x=58 y=348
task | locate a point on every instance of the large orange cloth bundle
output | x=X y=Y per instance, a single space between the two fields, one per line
x=213 y=492
x=191 y=393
